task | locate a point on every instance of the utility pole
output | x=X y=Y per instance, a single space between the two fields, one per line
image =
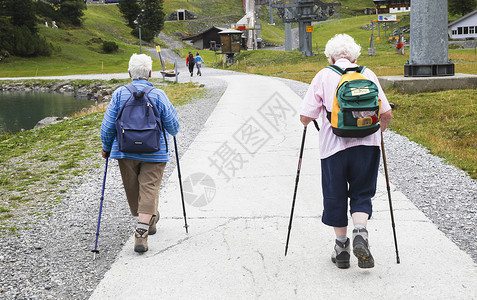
x=429 y=53
x=288 y=32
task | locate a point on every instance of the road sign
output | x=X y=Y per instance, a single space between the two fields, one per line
x=158 y=49
x=309 y=28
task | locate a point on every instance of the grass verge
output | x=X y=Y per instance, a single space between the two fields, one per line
x=39 y=165
x=444 y=122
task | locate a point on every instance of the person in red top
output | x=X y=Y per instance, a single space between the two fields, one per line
x=190 y=62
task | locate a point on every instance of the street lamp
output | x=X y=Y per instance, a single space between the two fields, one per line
x=139 y=25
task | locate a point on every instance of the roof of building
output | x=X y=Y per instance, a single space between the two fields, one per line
x=199 y=35
x=463 y=18
x=229 y=31
x=385 y=1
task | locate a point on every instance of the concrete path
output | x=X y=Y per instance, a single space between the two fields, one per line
x=238 y=177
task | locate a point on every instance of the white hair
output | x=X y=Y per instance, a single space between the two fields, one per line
x=139 y=66
x=342 y=46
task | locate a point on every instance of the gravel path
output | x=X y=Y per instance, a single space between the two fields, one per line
x=52 y=260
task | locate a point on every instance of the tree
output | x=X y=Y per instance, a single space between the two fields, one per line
x=152 y=16
x=462 y=7
x=130 y=10
x=21 y=13
x=18 y=29
x=72 y=11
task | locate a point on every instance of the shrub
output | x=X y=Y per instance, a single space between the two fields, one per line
x=110 y=47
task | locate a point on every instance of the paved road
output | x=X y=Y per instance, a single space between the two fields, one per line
x=239 y=175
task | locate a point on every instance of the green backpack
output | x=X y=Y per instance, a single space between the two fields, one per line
x=356 y=106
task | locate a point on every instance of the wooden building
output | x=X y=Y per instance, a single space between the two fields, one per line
x=204 y=39
x=230 y=40
x=392 y=6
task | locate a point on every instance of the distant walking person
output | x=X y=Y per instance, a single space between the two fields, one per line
x=349 y=165
x=198 y=62
x=141 y=173
x=190 y=62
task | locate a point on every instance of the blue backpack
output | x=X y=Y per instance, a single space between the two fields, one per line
x=138 y=125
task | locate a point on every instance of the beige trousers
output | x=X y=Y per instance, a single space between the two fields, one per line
x=141 y=181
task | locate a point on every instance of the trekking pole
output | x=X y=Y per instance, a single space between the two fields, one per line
x=100 y=210
x=180 y=185
x=389 y=197
x=296 y=183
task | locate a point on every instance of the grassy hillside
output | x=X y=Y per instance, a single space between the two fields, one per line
x=78 y=50
x=210 y=13
x=351 y=8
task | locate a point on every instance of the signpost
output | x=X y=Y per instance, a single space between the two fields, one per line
x=387 y=18
x=158 y=49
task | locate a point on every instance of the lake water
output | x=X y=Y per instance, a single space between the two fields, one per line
x=24 y=110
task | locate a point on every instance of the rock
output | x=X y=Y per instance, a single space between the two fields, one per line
x=47 y=121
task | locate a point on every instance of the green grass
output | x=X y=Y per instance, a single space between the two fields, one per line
x=351 y=8
x=78 y=50
x=205 y=8
x=444 y=122
x=210 y=12
x=36 y=161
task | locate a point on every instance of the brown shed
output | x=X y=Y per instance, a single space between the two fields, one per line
x=230 y=40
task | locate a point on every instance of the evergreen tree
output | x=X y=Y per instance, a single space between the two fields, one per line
x=130 y=10
x=21 y=13
x=28 y=43
x=152 y=16
x=462 y=7
x=72 y=11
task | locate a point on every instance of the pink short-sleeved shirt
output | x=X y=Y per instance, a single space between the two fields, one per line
x=320 y=95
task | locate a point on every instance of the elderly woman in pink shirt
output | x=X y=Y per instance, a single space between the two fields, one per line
x=349 y=165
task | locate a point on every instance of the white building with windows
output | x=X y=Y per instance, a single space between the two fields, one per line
x=465 y=27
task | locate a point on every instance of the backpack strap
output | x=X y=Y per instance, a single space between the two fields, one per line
x=131 y=88
x=146 y=91
x=337 y=69
x=358 y=69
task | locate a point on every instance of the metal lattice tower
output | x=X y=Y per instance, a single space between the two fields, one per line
x=304 y=12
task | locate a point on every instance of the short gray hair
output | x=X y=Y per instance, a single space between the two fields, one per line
x=342 y=46
x=139 y=66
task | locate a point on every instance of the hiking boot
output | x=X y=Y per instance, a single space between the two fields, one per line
x=152 y=224
x=140 y=241
x=340 y=255
x=361 y=248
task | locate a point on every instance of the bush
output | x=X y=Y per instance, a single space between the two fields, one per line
x=110 y=47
